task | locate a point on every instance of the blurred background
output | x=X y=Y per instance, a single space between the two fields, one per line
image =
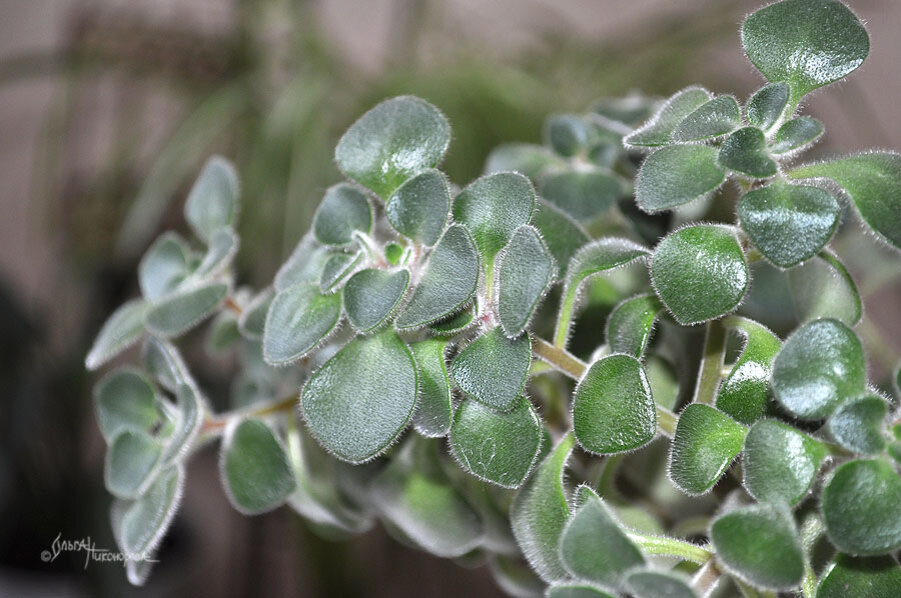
x=108 y=108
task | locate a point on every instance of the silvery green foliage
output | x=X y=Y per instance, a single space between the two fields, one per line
x=440 y=339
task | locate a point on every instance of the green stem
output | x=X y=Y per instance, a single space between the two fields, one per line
x=216 y=423
x=711 y=363
x=559 y=358
x=565 y=317
x=663 y=546
x=666 y=421
x=809 y=585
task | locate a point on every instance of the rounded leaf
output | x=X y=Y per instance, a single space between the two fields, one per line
x=766 y=106
x=648 y=583
x=434 y=409
x=121 y=330
x=719 y=116
x=492 y=369
x=420 y=207
x=870 y=577
x=213 y=200
x=562 y=235
x=583 y=194
x=526 y=270
x=858 y=424
x=745 y=152
x=745 y=393
x=254 y=466
x=630 y=324
x=566 y=134
x=131 y=464
x=141 y=524
x=298 y=319
x=659 y=129
x=370 y=296
x=704 y=445
x=780 y=462
x=165 y=265
x=796 y=134
x=343 y=210
x=676 y=175
x=336 y=270
x=823 y=288
x=124 y=399
x=179 y=312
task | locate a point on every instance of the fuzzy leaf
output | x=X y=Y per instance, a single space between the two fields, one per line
x=500 y=448
x=361 y=399
x=191 y=410
x=120 y=331
x=525 y=272
x=141 y=524
x=298 y=319
x=254 y=466
x=131 y=464
x=704 y=445
x=526 y=158
x=823 y=288
x=434 y=411
x=583 y=194
x=649 y=583
x=676 y=175
x=371 y=296
x=165 y=265
x=222 y=248
x=179 y=312
x=252 y=321
x=779 y=462
x=719 y=116
x=767 y=104
x=492 y=369
x=213 y=200
x=861 y=506
x=562 y=235
x=760 y=545
x=600 y=256
x=449 y=281
x=124 y=399
x=630 y=324
x=745 y=393
x=164 y=363
x=343 y=210
x=858 y=424
x=745 y=152
x=659 y=129
x=819 y=367
x=566 y=134
x=805 y=44
x=797 y=133
x=336 y=270
x=456 y=322
x=873 y=577
x=613 y=410
x=700 y=273
x=305 y=264
x=420 y=207
x=392 y=142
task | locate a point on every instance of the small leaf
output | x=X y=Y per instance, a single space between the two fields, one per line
x=745 y=393
x=760 y=545
x=745 y=152
x=700 y=273
x=576 y=590
x=181 y=311
x=454 y=323
x=371 y=296
x=394 y=253
x=862 y=508
x=873 y=182
x=337 y=269
x=719 y=116
x=392 y=142
x=648 y=583
x=361 y=399
x=252 y=321
x=796 y=134
x=434 y=411
x=566 y=134
x=165 y=265
x=213 y=200
x=223 y=333
x=298 y=319
x=858 y=424
x=613 y=410
x=704 y=445
x=600 y=256
x=191 y=409
x=583 y=194
x=676 y=175
x=164 y=363
x=343 y=210
x=120 y=331
x=131 y=464
x=563 y=235
x=630 y=324
x=819 y=367
x=823 y=288
x=492 y=207
x=420 y=207
x=305 y=264
x=143 y=523
x=492 y=369
x=593 y=547
x=525 y=272
x=766 y=106
x=124 y=399
x=449 y=280
x=805 y=44
x=526 y=158
x=779 y=462
x=873 y=577
x=254 y=466
x=539 y=512
x=222 y=248
x=658 y=130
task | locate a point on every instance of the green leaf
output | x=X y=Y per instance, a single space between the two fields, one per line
x=165 y=265
x=305 y=264
x=700 y=273
x=254 y=467
x=420 y=207
x=563 y=235
x=492 y=369
x=361 y=399
x=525 y=272
x=576 y=590
x=124 y=399
x=583 y=194
x=823 y=288
x=704 y=445
x=449 y=280
x=434 y=411
x=745 y=393
x=873 y=182
x=760 y=545
x=600 y=256
x=539 y=512
x=862 y=508
x=659 y=129
x=719 y=116
x=527 y=158
x=455 y=323
x=416 y=496
x=779 y=462
x=191 y=411
x=371 y=296
x=796 y=134
x=514 y=576
x=131 y=464
x=120 y=331
x=613 y=410
x=299 y=318
x=343 y=210
x=500 y=448
x=141 y=524
x=213 y=200
x=630 y=324
x=336 y=270
x=492 y=207
x=593 y=547
x=819 y=367
x=392 y=142
x=394 y=253
x=164 y=363
x=676 y=175
x=766 y=106
x=566 y=134
x=789 y=223
x=805 y=44
x=252 y=321
x=222 y=249
x=870 y=577
x=179 y=312
x=648 y=583
x=858 y=424
x=745 y=152
x=223 y=333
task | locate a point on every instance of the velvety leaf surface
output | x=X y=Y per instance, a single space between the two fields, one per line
x=213 y=200
x=165 y=265
x=298 y=319
x=779 y=462
x=124 y=399
x=584 y=195
x=526 y=270
x=191 y=409
x=526 y=158
x=745 y=152
x=562 y=235
x=420 y=207
x=131 y=463
x=142 y=523
x=767 y=105
x=255 y=469
x=745 y=393
x=858 y=424
x=649 y=583
x=630 y=324
x=337 y=269
x=221 y=250
x=717 y=117
x=177 y=313
x=371 y=295
x=121 y=330
x=492 y=369
x=566 y=134
x=873 y=577
x=659 y=129
x=343 y=210
x=434 y=409
x=600 y=256
x=797 y=133
x=252 y=321
x=823 y=288
x=704 y=445
x=677 y=175
x=700 y=273
x=456 y=322
x=303 y=265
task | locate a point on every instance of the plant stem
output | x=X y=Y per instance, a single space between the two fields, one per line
x=711 y=363
x=565 y=317
x=218 y=422
x=559 y=358
x=706 y=578
x=809 y=584
x=663 y=546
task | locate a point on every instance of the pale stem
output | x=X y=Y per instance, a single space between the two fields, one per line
x=564 y=318
x=663 y=546
x=217 y=422
x=711 y=363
